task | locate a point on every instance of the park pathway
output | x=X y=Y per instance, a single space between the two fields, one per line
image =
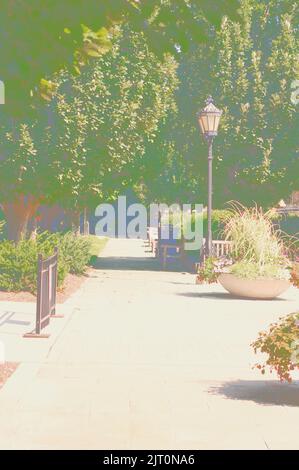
x=149 y=360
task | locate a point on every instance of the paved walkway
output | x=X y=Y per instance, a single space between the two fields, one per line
x=147 y=359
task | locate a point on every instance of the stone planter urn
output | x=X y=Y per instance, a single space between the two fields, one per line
x=253 y=288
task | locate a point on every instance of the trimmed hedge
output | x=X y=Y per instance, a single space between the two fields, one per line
x=219 y=218
x=287 y=223
x=218 y=221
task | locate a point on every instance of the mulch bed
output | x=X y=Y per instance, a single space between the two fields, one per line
x=71 y=284
x=6 y=370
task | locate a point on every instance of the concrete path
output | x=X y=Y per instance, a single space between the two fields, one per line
x=149 y=360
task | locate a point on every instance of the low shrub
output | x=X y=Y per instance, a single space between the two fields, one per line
x=287 y=223
x=76 y=252
x=281 y=344
x=18 y=262
x=219 y=219
x=18 y=266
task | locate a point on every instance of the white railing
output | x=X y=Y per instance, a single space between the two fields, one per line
x=219 y=248
x=152 y=235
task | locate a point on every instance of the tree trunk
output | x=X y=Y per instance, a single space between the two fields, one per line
x=76 y=222
x=33 y=230
x=85 y=222
x=18 y=214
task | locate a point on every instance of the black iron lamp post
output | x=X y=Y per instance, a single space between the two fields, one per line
x=209 y=118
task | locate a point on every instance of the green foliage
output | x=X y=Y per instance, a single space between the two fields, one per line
x=254 y=238
x=95 y=44
x=257 y=63
x=130 y=96
x=18 y=266
x=20 y=163
x=97 y=245
x=85 y=143
x=219 y=219
x=258 y=249
x=76 y=252
x=209 y=271
x=18 y=262
x=281 y=344
x=288 y=223
x=26 y=51
x=112 y=124
x=206 y=273
x=252 y=270
x=253 y=64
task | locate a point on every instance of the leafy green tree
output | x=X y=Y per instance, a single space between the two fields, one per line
x=80 y=146
x=40 y=38
x=125 y=96
x=249 y=70
x=253 y=87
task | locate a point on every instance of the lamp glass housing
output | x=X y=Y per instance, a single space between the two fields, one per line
x=209 y=119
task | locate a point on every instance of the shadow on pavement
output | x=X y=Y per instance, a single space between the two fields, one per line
x=8 y=317
x=132 y=264
x=270 y=392
x=224 y=296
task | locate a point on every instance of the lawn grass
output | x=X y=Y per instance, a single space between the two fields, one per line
x=97 y=245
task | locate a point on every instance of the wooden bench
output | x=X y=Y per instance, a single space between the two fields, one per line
x=169 y=249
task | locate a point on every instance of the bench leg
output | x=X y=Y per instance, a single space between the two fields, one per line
x=164 y=257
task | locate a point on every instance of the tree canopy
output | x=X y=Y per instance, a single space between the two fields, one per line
x=38 y=39
x=249 y=70
x=77 y=146
x=102 y=96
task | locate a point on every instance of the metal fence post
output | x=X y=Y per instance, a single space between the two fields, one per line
x=46 y=294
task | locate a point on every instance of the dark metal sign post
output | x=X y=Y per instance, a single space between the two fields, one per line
x=46 y=294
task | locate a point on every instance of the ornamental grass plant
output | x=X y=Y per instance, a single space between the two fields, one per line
x=258 y=249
